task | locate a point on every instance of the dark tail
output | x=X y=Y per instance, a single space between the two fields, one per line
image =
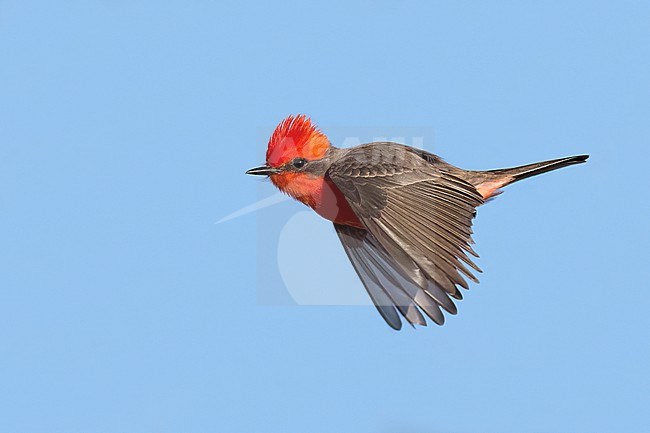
x=488 y=183
x=529 y=170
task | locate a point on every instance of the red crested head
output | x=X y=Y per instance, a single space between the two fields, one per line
x=297 y=160
x=296 y=137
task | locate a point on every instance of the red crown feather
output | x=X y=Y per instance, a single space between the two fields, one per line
x=296 y=137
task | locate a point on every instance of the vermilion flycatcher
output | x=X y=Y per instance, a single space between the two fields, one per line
x=403 y=215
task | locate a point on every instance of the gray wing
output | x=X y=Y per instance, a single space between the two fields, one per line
x=418 y=217
x=389 y=286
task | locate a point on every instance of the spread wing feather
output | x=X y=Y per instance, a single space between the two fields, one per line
x=418 y=218
x=387 y=283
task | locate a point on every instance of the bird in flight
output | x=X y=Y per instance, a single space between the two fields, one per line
x=403 y=215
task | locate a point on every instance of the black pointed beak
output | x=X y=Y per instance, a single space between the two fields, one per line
x=264 y=170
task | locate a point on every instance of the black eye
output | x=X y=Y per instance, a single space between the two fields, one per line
x=299 y=162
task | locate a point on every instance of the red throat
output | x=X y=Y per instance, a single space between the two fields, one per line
x=319 y=194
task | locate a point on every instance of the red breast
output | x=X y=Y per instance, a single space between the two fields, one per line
x=319 y=194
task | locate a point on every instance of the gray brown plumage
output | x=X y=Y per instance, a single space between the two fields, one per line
x=403 y=215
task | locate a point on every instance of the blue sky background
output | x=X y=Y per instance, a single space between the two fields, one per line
x=125 y=129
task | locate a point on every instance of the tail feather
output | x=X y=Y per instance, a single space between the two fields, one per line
x=489 y=182
x=529 y=170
